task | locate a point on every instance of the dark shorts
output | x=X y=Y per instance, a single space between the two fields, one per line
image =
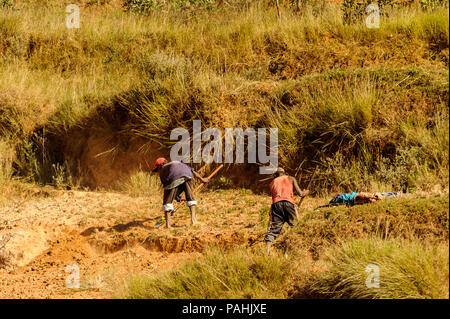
x=170 y=195
x=281 y=212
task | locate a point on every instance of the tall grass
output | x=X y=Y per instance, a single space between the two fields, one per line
x=218 y=275
x=6 y=158
x=140 y=184
x=407 y=270
x=377 y=97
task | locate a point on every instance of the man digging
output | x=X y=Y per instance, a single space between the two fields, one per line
x=283 y=208
x=176 y=178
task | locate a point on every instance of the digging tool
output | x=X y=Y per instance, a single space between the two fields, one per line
x=209 y=177
x=326 y=205
x=309 y=185
x=163 y=220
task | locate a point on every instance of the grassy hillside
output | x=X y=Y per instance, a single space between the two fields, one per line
x=370 y=106
x=422 y=218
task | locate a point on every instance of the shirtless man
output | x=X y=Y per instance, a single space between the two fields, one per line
x=283 y=208
x=176 y=178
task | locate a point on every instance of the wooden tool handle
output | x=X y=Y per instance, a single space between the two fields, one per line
x=210 y=176
x=309 y=185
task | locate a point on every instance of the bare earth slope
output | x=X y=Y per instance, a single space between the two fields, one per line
x=110 y=235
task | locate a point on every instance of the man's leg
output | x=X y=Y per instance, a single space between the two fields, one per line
x=290 y=213
x=268 y=245
x=169 y=195
x=190 y=201
x=167 y=215
x=193 y=217
x=276 y=225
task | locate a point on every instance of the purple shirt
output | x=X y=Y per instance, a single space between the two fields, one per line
x=173 y=171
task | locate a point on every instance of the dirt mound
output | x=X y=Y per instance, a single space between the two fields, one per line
x=20 y=247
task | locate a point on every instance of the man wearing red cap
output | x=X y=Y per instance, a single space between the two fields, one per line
x=176 y=178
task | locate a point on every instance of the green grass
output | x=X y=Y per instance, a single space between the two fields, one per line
x=407 y=270
x=218 y=274
x=402 y=218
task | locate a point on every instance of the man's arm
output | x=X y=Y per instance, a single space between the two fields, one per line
x=197 y=175
x=297 y=188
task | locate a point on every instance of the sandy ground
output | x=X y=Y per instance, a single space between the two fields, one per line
x=110 y=236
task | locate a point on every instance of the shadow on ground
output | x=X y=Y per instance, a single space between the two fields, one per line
x=119 y=227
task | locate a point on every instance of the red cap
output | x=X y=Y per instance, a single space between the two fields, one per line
x=158 y=162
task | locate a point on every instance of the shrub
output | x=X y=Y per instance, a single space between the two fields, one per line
x=370 y=101
x=140 y=184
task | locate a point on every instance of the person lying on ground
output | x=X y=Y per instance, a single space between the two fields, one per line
x=176 y=178
x=283 y=209
x=357 y=198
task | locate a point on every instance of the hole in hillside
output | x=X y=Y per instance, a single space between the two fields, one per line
x=96 y=153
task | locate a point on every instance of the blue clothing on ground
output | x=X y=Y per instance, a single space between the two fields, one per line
x=346 y=198
x=389 y=194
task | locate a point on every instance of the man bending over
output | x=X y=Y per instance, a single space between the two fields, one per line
x=176 y=178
